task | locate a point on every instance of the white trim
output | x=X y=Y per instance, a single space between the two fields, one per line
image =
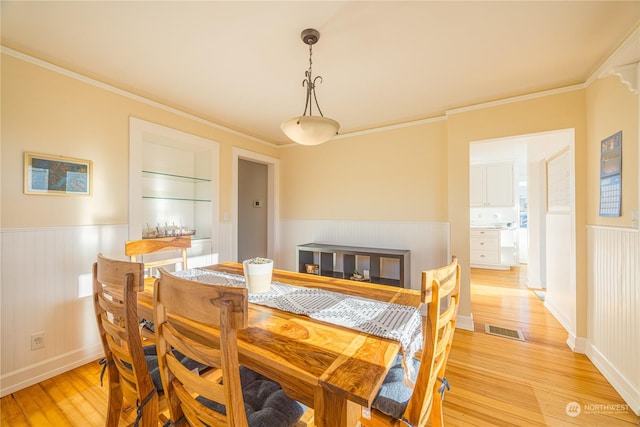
x=391 y=127
x=613 y=61
x=139 y=129
x=38 y=229
x=628 y=392
x=605 y=227
x=273 y=199
x=33 y=374
x=602 y=71
x=520 y=98
x=418 y=122
x=126 y=94
x=465 y=322
x=577 y=344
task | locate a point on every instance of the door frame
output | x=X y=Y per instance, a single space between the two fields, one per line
x=273 y=198
x=548 y=144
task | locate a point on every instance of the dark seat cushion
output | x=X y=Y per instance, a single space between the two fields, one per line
x=265 y=403
x=394 y=394
x=151 y=356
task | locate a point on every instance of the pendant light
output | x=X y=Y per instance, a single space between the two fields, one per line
x=310 y=129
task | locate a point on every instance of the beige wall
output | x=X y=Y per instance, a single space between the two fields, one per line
x=416 y=173
x=560 y=111
x=395 y=175
x=47 y=112
x=612 y=107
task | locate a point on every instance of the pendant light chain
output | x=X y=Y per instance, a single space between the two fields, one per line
x=311 y=87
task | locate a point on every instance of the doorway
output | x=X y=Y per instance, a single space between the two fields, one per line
x=547 y=234
x=252 y=212
x=254 y=205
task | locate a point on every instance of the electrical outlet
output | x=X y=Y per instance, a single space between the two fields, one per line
x=37 y=341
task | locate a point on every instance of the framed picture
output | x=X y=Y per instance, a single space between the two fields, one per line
x=57 y=175
x=611 y=175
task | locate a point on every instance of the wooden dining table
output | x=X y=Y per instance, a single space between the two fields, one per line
x=333 y=369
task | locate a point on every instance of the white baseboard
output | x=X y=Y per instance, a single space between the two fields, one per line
x=577 y=344
x=33 y=374
x=465 y=322
x=628 y=392
x=558 y=314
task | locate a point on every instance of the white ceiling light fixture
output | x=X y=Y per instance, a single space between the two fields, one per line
x=310 y=129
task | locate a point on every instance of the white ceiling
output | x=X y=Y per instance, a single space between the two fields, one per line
x=241 y=64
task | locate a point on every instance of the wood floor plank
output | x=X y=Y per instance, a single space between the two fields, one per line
x=72 y=404
x=499 y=381
x=12 y=414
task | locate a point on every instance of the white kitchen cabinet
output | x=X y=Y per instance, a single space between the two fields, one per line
x=491 y=185
x=493 y=248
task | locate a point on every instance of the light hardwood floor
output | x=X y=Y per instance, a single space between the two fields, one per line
x=498 y=381
x=495 y=381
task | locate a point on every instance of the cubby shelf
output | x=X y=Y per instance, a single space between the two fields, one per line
x=341 y=261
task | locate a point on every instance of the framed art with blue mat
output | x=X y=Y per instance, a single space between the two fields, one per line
x=57 y=175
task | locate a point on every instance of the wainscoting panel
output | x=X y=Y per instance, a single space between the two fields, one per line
x=46 y=283
x=47 y=287
x=614 y=308
x=427 y=241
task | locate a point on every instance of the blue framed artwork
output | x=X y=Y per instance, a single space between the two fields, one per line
x=56 y=175
x=611 y=175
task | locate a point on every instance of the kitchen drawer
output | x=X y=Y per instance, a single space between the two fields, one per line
x=483 y=232
x=485 y=243
x=485 y=257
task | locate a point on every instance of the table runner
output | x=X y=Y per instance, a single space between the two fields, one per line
x=387 y=320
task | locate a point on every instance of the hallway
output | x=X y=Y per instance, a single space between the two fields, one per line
x=497 y=381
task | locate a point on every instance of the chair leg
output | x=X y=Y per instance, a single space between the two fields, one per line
x=114 y=405
x=437 y=417
x=307 y=419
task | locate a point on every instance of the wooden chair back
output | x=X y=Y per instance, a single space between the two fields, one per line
x=115 y=287
x=441 y=287
x=135 y=248
x=225 y=309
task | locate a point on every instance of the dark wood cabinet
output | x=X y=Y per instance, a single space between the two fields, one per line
x=341 y=262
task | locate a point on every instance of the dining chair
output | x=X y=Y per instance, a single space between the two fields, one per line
x=135 y=248
x=115 y=287
x=231 y=395
x=399 y=404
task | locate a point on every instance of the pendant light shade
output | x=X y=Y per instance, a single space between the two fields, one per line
x=310 y=129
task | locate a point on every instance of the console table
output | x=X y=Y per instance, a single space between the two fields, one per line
x=324 y=256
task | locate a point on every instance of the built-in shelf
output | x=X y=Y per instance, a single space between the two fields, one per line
x=173 y=186
x=176 y=177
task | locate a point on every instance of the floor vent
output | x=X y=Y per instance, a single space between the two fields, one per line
x=514 y=334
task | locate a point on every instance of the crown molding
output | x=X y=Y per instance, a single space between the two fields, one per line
x=623 y=63
x=628 y=75
x=390 y=127
x=68 y=73
x=520 y=98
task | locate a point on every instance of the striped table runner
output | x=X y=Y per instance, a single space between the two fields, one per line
x=393 y=321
